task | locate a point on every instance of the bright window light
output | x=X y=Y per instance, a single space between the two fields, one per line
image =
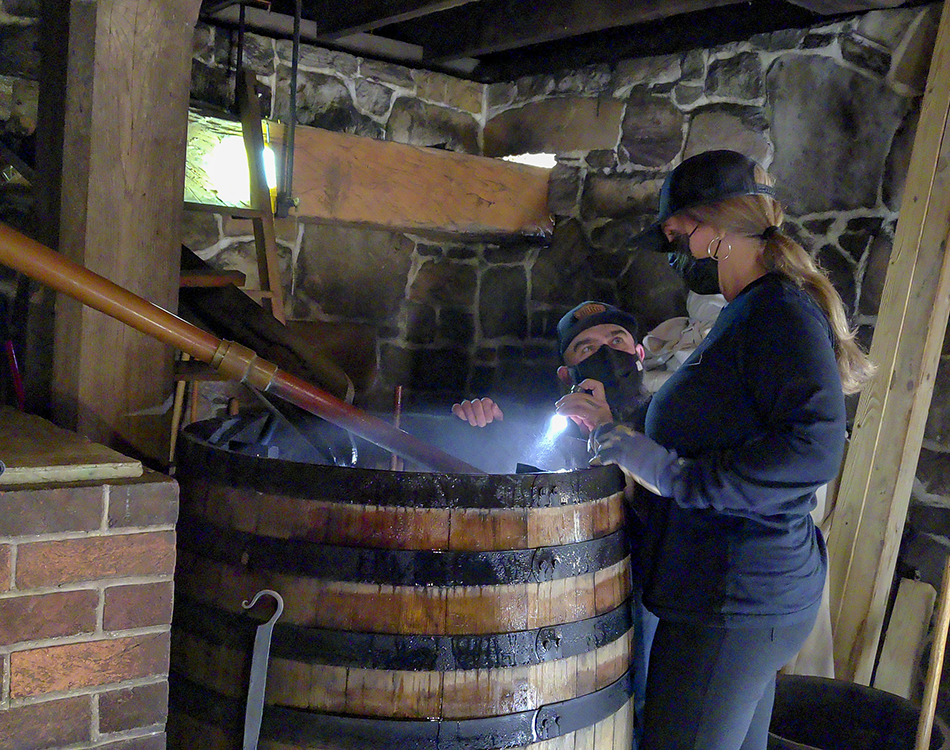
x=226 y=166
x=533 y=160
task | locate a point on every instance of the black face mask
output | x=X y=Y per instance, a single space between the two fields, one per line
x=700 y=274
x=622 y=376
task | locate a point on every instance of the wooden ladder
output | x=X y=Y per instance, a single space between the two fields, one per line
x=265 y=236
x=268 y=293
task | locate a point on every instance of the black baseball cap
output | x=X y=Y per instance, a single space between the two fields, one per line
x=588 y=314
x=705 y=178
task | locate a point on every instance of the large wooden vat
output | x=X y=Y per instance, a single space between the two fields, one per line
x=817 y=713
x=421 y=610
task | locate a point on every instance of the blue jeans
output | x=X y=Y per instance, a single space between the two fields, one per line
x=712 y=688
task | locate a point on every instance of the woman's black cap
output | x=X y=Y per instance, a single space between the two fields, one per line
x=705 y=178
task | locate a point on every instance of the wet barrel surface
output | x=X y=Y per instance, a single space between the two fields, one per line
x=421 y=610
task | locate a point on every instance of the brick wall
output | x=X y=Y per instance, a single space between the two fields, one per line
x=85 y=612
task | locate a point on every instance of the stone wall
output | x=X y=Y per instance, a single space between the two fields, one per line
x=831 y=110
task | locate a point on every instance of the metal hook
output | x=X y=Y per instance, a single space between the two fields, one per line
x=254 y=711
x=280 y=603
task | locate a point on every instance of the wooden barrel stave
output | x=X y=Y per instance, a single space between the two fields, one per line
x=457 y=540
x=215 y=723
x=368 y=692
x=474 y=529
x=435 y=611
x=418 y=608
x=611 y=733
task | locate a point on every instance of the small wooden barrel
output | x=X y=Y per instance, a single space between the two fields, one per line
x=421 y=611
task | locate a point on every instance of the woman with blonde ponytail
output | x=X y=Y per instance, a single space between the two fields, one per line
x=733 y=447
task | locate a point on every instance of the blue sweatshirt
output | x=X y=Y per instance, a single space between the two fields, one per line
x=757 y=417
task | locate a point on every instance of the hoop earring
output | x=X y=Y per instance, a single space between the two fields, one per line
x=715 y=255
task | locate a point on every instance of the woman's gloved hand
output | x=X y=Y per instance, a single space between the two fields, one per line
x=643 y=460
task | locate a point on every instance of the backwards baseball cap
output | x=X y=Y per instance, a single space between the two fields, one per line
x=588 y=314
x=705 y=178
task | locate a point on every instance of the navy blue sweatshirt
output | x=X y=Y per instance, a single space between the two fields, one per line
x=757 y=412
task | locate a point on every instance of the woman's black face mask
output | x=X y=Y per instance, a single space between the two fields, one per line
x=622 y=376
x=700 y=274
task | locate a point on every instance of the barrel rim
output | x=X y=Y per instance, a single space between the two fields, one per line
x=200 y=460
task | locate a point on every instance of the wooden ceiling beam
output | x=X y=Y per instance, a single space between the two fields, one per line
x=498 y=25
x=347 y=179
x=832 y=7
x=339 y=19
x=356 y=181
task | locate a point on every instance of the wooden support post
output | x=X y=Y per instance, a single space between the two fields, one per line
x=885 y=445
x=122 y=110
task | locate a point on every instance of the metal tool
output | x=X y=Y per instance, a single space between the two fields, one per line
x=258 y=680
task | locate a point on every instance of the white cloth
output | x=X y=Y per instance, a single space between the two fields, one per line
x=669 y=344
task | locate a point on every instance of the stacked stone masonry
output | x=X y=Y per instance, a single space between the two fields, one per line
x=85 y=612
x=831 y=110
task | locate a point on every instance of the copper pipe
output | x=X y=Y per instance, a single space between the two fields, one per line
x=37 y=261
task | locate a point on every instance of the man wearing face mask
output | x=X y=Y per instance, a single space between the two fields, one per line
x=603 y=367
x=603 y=364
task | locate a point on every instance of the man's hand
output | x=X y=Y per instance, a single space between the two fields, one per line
x=478 y=412
x=586 y=405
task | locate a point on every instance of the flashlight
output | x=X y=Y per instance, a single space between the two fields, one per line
x=556 y=425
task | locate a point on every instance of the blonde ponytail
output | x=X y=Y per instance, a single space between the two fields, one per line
x=761 y=216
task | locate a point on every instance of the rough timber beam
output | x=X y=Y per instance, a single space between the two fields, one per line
x=347 y=179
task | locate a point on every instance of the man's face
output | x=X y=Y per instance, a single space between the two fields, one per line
x=590 y=340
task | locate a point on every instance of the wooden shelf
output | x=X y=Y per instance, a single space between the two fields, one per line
x=211 y=278
x=240 y=212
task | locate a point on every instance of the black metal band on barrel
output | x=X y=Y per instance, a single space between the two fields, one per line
x=353 y=649
x=399 y=567
x=341 y=484
x=304 y=729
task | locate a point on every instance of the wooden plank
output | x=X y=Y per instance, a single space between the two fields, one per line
x=906 y=633
x=885 y=444
x=498 y=25
x=346 y=179
x=265 y=236
x=34 y=451
x=827 y=7
x=342 y=19
x=215 y=206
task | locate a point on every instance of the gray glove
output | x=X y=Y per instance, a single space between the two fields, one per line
x=643 y=460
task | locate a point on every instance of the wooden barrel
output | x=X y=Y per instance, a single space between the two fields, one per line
x=421 y=610
x=817 y=713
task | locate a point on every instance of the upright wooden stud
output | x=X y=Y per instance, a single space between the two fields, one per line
x=888 y=432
